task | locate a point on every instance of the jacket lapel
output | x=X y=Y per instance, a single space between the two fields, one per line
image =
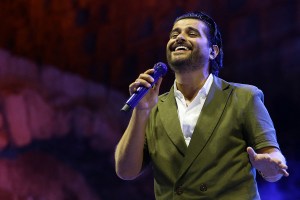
x=169 y=117
x=210 y=115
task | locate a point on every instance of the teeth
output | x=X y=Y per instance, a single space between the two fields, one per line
x=181 y=48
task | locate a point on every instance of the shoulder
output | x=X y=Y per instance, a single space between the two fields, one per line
x=241 y=89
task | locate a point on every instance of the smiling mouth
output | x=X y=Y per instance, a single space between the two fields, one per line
x=181 y=48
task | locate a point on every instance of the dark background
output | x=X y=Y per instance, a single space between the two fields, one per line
x=110 y=42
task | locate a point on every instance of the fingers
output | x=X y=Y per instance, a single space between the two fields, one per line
x=133 y=87
x=252 y=154
x=282 y=168
x=279 y=168
x=157 y=85
x=284 y=172
x=281 y=165
x=145 y=79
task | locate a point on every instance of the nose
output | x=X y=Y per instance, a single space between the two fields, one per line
x=180 y=38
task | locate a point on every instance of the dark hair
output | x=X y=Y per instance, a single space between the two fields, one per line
x=214 y=37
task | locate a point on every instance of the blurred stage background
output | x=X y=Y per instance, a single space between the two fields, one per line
x=65 y=67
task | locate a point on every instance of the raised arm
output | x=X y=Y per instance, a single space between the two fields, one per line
x=129 y=151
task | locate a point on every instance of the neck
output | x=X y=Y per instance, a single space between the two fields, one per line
x=189 y=83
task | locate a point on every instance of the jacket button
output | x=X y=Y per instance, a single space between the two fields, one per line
x=179 y=190
x=203 y=187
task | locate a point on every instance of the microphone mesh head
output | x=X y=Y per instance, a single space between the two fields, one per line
x=161 y=67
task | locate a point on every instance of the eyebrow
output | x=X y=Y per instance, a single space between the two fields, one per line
x=188 y=28
x=193 y=29
x=175 y=30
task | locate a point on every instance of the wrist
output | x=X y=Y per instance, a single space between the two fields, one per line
x=141 y=113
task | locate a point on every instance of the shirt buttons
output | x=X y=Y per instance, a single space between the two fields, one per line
x=203 y=187
x=179 y=190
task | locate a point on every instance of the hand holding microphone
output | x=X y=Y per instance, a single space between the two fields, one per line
x=145 y=82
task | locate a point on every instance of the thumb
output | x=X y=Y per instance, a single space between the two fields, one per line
x=252 y=154
x=157 y=85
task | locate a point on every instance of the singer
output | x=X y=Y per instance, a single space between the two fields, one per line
x=206 y=138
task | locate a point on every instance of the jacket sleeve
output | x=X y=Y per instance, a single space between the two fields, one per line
x=259 y=128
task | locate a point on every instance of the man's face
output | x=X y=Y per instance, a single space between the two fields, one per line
x=188 y=46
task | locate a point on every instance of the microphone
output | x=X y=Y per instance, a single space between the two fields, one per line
x=160 y=69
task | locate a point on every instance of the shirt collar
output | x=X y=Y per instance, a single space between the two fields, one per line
x=203 y=91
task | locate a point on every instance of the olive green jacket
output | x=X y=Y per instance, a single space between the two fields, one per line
x=215 y=165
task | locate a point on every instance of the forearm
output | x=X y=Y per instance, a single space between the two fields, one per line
x=129 y=151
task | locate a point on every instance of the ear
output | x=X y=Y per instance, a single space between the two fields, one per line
x=214 y=51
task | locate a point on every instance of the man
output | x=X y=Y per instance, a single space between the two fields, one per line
x=206 y=137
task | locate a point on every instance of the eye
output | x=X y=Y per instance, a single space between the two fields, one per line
x=193 y=34
x=173 y=35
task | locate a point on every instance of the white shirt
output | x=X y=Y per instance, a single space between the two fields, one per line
x=189 y=114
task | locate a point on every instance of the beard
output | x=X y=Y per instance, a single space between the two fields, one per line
x=191 y=63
